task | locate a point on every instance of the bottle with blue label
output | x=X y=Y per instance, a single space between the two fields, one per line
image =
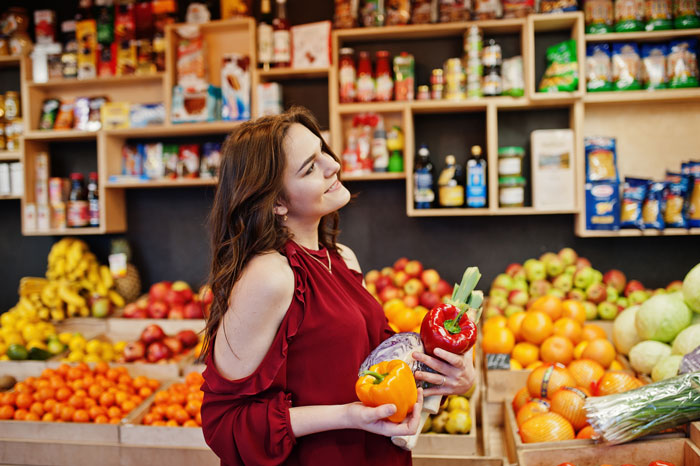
x=423 y=192
x=476 y=179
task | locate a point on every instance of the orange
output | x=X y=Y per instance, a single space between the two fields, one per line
x=127 y=406
x=20 y=415
x=525 y=353
x=198 y=418
x=193 y=407
x=536 y=327
x=575 y=310
x=47 y=373
x=30 y=381
x=6 y=412
x=495 y=322
x=24 y=400
x=49 y=404
x=8 y=398
x=557 y=349
x=114 y=413
x=161 y=397
x=550 y=305
x=172 y=423
x=57 y=382
x=23 y=387
x=101 y=367
x=121 y=397
x=615 y=382
x=586 y=372
x=63 y=393
x=145 y=392
x=57 y=409
x=578 y=350
x=194 y=378
x=406 y=319
x=32 y=417
x=62 y=369
x=148 y=419
x=190 y=423
x=498 y=340
x=515 y=365
x=74 y=373
x=89 y=403
x=601 y=351
x=101 y=419
x=547 y=427
x=106 y=399
x=115 y=420
x=96 y=411
x=154 y=384
x=112 y=374
x=546 y=380
x=181 y=415
x=172 y=410
x=94 y=391
x=67 y=413
x=569 y=403
x=592 y=331
x=48 y=417
x=586 y=433
x=44 y=394
x=77 y=401
x=81 y=415
x=531 y=409
x=514 y=322
x=140 y=381
x=520 y=398
x=568 y=328
x=37 y=408
x=534 y=365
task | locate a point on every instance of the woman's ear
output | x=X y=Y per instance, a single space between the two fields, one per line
x=280 y=209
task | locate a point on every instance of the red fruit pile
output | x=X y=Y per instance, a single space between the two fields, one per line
x=154 y=345
x=168 y=300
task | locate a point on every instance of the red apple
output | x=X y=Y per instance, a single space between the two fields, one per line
x=143 y=301
x=159 y=291
x=134 y=311
x=151 y=334
x=616 y=279
x=442 y=288
x=173 y=344
x=414 y=287
x=372 y=276
x=518 y=297
x=388 y=271
x=177 y=312
x=382 y=282
x=400 y=278
x=539 y=288
x=134 y=350
x=389 y=292
x=582 y=262
x=188 y=338
x=430 y=277
x=513 y=269
x=206 y=296
x=400 y=263
x=633 y=285
x=596 y=293
x=429 y=299
x=158 y=310
x=675 y=285
x=157 y=351
x=413 y=268
x=193 y=310
x=180 y=293
x=410 y=300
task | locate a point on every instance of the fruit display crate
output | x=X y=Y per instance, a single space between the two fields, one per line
x=679 y=451
x=68 y=453
x=695 y=432
x=132 y=328
x=20 y=370
x=442 y=460
x=89 y=327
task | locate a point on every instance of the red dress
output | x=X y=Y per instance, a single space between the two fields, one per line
x=331 y=326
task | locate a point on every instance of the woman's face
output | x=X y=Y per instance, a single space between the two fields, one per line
x=311 y=184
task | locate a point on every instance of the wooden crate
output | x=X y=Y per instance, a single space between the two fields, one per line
x=59 y=432
x=134 y=455
x=63 y=453
x=443 y=460
x=679 y=451
x=455 y=445
x=89 y=327
x=695 y=432
x=20 y=370
x=502 y=385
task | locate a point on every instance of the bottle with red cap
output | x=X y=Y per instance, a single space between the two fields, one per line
x=93 y=201
x=384 y=81
x=365 y=82
x=78 y=207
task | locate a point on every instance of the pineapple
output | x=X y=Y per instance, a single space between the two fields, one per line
x=129 y=286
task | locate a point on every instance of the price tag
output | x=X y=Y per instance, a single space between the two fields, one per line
x=498 y=362
x=117 y=265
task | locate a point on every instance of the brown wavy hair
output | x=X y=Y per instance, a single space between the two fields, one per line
x=242 y=221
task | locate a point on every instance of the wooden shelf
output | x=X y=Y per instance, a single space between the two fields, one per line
x=10 y=61
x=627 y=233
x=292 y=73
x=375 y=176
x=445 y=212
x=378 y=107
x=176 y=129
x=66 y=232
x=176 y=183
x=9 y=196
x=643 y=36
x=129 y=80
x=546 y=22
x=58 y=135
x=9 y=156
x=422 y=31
x=659 y=95
x=558 y=97
x=531 y=211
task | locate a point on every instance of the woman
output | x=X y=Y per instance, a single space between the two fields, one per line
x=291 y=321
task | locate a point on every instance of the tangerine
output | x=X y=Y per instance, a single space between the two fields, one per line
x=81 y=415
x=96 y=411
x=515 y=365
x=198 y=418
x=534 y=365
x=114 y=412
x=532 y=408
x=106 y=399
x=514 y=323
x=190 y=423
x=497 y=321
x=546 y=427
x=115 y=420
x=161 y=397
x=569 y=403
x=550 y=305
x=32 y=417
x=127 y=406
x=23 y=387
x=101 y=367
x=557 y=349
x=568 y=328
x=600 y=350
x=94 y=391
x=547 y=379
x=44 y=394
x=498 y=340
x=37 y=408
x=586 y=433
x=586 y=372
x=194 y=378
x=592 y=331
x=101 y=419
x=145 y=392
x=77 y=401
x=20 y=415
x=148 y=419
x=181 y=415
x=8 y=398
x=578 y=350
x=6 y=412
x=67 y=413
x=49 y=404
x=24 y=400
x=520 y=399
x=193 y=407
x=575 y=310
x=525 y=353
x=536 y=327
x=74 y=373
x=48 y=417
x=172 y=423
x=63 y=393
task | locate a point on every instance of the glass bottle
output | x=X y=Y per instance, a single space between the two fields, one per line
x=380 y=153
x=280 y=37
x=451 y=184
x=347 y=75
x=93 y=201
x=84 y=10
x=476 y=179
x=78 y=208
x=423 y=193
x=265 y=35
x=384 y=81
x=365 y=81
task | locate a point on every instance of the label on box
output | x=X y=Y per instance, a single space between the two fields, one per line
x=498 y=361
x=117 y=265
x=553 y=181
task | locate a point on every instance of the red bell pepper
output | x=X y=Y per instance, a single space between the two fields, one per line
x=448 y=325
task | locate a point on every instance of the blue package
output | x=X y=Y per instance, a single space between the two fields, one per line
x=694 y=195
x=653 y=208
x=603 y=205
x=626 y=64
x=654 y=66
x=601 y=159
x=675 y=207
x=142 y=115
x=634 y=191
x=598 y=68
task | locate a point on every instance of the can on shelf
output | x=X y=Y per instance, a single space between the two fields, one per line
x=455 y=80
x=511 y=191
x=492 y=56
x=12 y=109
x=423 y=92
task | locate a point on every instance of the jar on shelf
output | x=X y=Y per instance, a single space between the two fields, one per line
x=384 y=82
x=365 y=82
x=423 y=93
x=510 y=161
x=347 y=75
x=511 y=191
x=455 y=80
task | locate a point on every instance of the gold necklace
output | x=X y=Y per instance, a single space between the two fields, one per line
x=327 y=267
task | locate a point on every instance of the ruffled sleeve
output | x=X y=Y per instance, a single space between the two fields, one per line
x=246 y=421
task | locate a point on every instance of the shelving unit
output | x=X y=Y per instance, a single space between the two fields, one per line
x=176 y=183
x=658 y=95
x=129 y=80
x=375 y=176
x=9 y=155
x=278 y=74
x=643 y=36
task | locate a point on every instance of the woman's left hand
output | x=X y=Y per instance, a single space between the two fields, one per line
x=455 y=372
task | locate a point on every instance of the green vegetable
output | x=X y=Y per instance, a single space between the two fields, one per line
x=666 y=368
x=38 y=354
x=644 y=356
x=662 y=317
x=17 y=352
x=687 y=340
x=625 y=334
x=691 y=288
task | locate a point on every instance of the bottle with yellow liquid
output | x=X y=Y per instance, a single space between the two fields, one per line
x=451 y=184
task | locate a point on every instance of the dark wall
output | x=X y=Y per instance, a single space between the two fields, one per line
x=167 y=227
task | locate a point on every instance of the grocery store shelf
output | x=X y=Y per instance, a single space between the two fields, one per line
x=130 y=80
x=375 y=176
x=9 y=155
x=432 y=31
x=10 y=61
x=446 y=106
x=556 y=97
x=292 y=73
x=460 y=212
x=643 y=36
x=546 y=22
x=182 y=129
x=67 y=135
x=659 y=95
x=631 y=233
x=176 y=183
x=377 y=107
x=10 y=196
x=65 y=231
x=531 y=211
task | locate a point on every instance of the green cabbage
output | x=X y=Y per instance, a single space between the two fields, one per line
x=662 y=317
x=687 y=340
x=644 y=356
x=625 y=334
x=691 y=288
x=666 y=368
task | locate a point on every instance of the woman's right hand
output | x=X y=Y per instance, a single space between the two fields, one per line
x=374 y=419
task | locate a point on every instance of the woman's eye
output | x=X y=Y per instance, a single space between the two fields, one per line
x=311 y=168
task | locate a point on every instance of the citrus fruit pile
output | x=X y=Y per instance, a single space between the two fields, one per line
x=179 y=405
x=550 y=331
x=24 y=336
x=77 y=394
x=550 y=407
x=89 y=351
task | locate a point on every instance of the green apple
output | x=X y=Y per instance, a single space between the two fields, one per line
x=535 y=270
x=622 y=301
x=597 y=276
x=607 y=311
x=591 y=310
x=584 y=277
x=638 y=297
x=503 y=281
x=564 y=282
x=612 y=294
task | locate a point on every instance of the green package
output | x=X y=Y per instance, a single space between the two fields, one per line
x=562 y=68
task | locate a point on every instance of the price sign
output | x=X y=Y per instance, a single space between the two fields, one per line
x=498 y=362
